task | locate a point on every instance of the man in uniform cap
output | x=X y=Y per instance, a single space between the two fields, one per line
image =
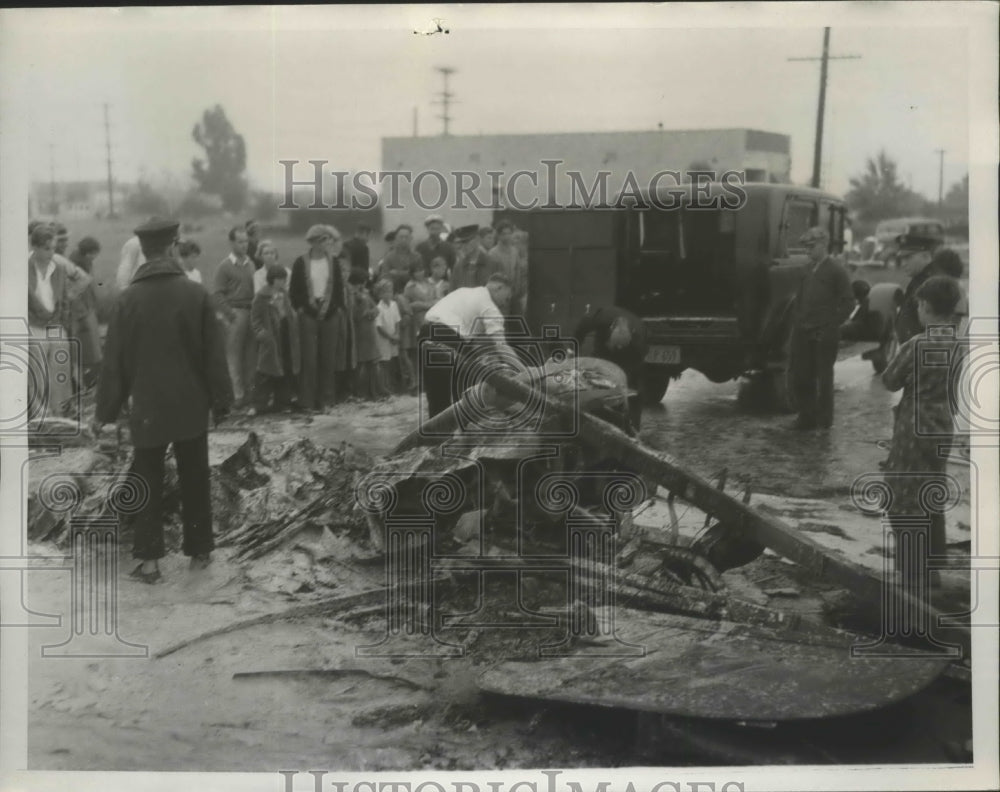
x=473 y=266
x=164 y=351
x=944 y=261
x=436 y=245
x=131 y=257
x=824 y=302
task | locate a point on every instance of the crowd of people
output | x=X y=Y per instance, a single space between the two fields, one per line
x=334 y=326
x=331 y=326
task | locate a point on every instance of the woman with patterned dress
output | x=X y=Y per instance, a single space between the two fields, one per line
x=923 y=427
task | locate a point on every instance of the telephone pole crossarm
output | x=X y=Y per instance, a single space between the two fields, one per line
x=824 y=60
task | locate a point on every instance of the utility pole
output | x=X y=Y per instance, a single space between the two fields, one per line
x=53 y=205
x=940 y=153
x=824 y=60
x=107 y=145
x=446 y=97
x=416 y=132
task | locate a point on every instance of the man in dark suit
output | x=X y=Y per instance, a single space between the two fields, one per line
x=824 y=302
x=356 y=248
x=165 y=351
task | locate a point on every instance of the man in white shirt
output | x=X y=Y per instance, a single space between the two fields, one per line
x=131 y=260
x=234 y=295
x=467 y=319
x=47 y=319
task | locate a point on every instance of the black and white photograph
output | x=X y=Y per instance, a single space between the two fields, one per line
x=489 y=398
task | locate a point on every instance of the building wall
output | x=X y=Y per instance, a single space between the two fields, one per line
x=74 y=199
x=641 y=153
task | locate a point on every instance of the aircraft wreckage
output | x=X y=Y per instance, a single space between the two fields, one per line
x=507 y=532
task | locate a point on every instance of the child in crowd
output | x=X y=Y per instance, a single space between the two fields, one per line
x=276 y=331
x=923 y=369
x=407 y=337
x=387 y=327
x=367 y=377
x=439 y=277
x=188 y=251
x=421 y=295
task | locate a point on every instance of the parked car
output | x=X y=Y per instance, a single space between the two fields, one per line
x=901 y=236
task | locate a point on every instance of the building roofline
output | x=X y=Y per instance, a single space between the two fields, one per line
x=590 y=133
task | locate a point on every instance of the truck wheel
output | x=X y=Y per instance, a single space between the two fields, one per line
x=654 y=386
x=780 y=386
x=781 y=392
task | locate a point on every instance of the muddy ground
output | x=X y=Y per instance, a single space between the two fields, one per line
x=186 y=711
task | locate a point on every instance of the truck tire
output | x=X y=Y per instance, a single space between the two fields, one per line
x=781 y=391
x=780 y=385
x=655 y=382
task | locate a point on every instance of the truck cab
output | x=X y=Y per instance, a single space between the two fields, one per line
x=711 y=268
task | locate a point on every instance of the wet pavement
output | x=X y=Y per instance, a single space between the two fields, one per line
x=700 y=424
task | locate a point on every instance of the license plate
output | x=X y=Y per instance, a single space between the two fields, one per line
x=663 y=354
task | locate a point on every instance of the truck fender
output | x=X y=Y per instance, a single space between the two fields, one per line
x=783 y=285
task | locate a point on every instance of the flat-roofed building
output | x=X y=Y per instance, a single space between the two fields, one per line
x=487 y=167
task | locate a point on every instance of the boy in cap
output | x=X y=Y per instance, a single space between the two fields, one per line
x=164 y=351
x=824 y=302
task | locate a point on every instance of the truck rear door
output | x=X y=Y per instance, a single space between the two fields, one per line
x=572 y=263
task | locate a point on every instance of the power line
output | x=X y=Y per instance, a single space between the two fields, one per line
x=446 y=97
x=823 y=59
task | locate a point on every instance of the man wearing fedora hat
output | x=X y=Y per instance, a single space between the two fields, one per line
x=164 y=351
x=436 y=245
x=823 y=303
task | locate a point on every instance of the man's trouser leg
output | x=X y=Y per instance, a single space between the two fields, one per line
x=147 y=527
x=263 y=387
x=249 y=360
x=196 y=495
x=326 y=377
x=53 y=357
x=825 y=356
x=802 y=359
x=236 y=341
x=436 y=374
x=309 y=348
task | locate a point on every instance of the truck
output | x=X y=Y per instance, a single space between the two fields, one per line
x=712 y=269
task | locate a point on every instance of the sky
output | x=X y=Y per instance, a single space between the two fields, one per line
x=329 y=83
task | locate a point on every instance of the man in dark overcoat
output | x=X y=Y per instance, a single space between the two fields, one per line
x=165 y=352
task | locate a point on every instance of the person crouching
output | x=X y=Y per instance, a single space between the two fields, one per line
x=276 y=330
